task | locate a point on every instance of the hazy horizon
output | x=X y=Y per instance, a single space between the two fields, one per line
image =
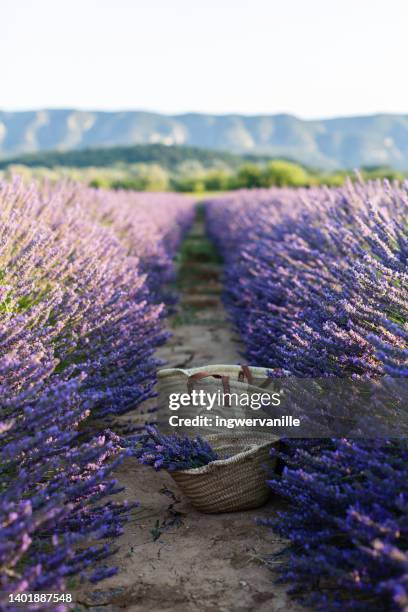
x=196 y=112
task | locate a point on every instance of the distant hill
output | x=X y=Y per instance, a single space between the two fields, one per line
x=169 y=157
x=328 y=144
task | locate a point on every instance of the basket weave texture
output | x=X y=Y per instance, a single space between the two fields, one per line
x=236 y=481
x=230 y=484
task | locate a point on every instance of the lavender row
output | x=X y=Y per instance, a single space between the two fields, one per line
x=316 y=282
x=79 y=323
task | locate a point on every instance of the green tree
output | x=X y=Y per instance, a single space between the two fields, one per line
x=217 y=180
x=381 y=172
x=282 y=173
x=248 y=176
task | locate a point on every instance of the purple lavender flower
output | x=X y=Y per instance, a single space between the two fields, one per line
x=316 y=283
x=81 y=306
x=172 y=452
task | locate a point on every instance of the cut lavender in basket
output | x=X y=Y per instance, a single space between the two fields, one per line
x=172 y=452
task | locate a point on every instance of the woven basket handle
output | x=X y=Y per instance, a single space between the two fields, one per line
x=245 y=373
x=199 y=375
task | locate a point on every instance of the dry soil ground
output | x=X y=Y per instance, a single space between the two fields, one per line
x=171 y=557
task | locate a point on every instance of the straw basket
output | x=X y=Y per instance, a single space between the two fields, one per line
x=229 y=379
x=235 y=482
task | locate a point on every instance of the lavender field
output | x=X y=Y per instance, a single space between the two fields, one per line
x=314 y=281
x=81 y=308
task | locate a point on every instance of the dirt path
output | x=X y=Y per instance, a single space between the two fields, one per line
x=172 y=557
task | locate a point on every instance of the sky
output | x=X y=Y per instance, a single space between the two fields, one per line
x=311 y=58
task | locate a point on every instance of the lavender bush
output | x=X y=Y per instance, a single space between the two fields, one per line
x=316 y=282
x=79 y=322
x=348 y=526
x=172 y=452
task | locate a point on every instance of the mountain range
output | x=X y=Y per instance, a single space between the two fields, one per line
x=344 y=142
